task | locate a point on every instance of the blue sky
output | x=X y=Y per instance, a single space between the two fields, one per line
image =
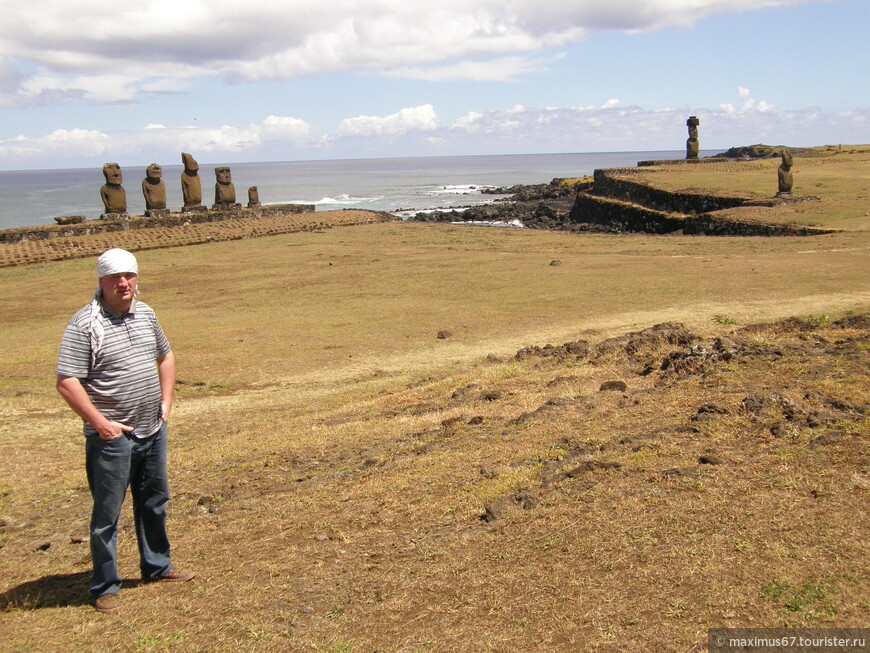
x=86 y=82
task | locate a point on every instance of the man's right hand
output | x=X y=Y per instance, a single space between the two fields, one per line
x=113 y=430
x=73 y=392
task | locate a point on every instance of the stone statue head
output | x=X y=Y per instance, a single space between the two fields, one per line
x=190 y=164
x=154 y=172
x=223 y=175
x=112 y=173
x=787 y=160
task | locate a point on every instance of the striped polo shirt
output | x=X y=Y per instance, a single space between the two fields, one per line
x=122 y=382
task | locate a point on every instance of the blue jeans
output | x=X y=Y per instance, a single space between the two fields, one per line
x=112 y=465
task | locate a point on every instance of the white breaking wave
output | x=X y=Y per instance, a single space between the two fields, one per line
x=410 y=213
x=459 y=189
x=340 y=200
x=516 y=223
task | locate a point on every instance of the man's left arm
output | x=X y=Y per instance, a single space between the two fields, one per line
x=166 y=374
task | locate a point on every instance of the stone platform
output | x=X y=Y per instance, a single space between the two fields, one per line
x=127 y=223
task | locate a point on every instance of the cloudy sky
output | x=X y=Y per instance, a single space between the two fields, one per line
x=91 y=81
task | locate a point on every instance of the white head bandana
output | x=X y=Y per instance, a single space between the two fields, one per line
x=116 y=261
x=113 y=261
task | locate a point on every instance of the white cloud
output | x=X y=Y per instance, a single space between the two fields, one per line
x=61 y=142
x=416 y=131
x=502 y=69
x=109 y=88
x=89 y=51
x=414 y=119
x=617 y=128
x=164 y=86
x=468 y=121
x=225 y=139
x=749 y=104
x=156 y=141
x=292 y=129
x=611 y=103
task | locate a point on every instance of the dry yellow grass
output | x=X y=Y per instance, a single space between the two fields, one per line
x=839 y=179
x=331 y=457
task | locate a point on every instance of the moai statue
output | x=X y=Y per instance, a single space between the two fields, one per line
x=154 y=191
x=114 y=196
x=253 y=197
x=191 y=186
x=784 y=175
x=224 y=191
x=692 y=145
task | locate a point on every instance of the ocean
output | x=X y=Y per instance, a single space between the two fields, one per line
x=402 y=186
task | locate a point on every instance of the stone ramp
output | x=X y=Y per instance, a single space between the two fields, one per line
x=23 y=252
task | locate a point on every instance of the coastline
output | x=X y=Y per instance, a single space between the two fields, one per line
x=413 y=184
x=665 y=199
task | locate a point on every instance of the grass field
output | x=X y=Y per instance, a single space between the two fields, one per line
x=346 y=480
x=838 y=179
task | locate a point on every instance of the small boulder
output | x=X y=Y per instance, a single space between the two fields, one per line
x=69 y=219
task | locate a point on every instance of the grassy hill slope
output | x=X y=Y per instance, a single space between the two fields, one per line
x=345 y=479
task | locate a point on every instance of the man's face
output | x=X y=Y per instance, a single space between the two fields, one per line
x=119 y=290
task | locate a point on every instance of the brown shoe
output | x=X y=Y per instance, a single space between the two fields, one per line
x=177 y=576
x=107 y=603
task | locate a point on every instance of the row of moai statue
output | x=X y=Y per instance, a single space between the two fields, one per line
x=153 y=188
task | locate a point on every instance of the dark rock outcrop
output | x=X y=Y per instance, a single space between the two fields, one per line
x=761 y=151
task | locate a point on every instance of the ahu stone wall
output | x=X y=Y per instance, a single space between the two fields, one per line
x=622 y=216
x=611 y=183
x=623 y=205
x=107 y=225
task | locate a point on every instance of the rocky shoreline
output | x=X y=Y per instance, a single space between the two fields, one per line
x=536 y=206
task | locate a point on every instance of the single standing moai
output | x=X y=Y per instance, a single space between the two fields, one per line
x=784 y=175
x=114 y=196
x=154 y=191
x=692 y=145
x=224 y=191
x=191 y=186
x=253 y=197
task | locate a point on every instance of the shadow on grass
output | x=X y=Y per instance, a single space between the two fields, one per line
x=57 y=591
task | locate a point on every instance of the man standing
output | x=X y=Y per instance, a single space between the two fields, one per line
x=117 y=372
